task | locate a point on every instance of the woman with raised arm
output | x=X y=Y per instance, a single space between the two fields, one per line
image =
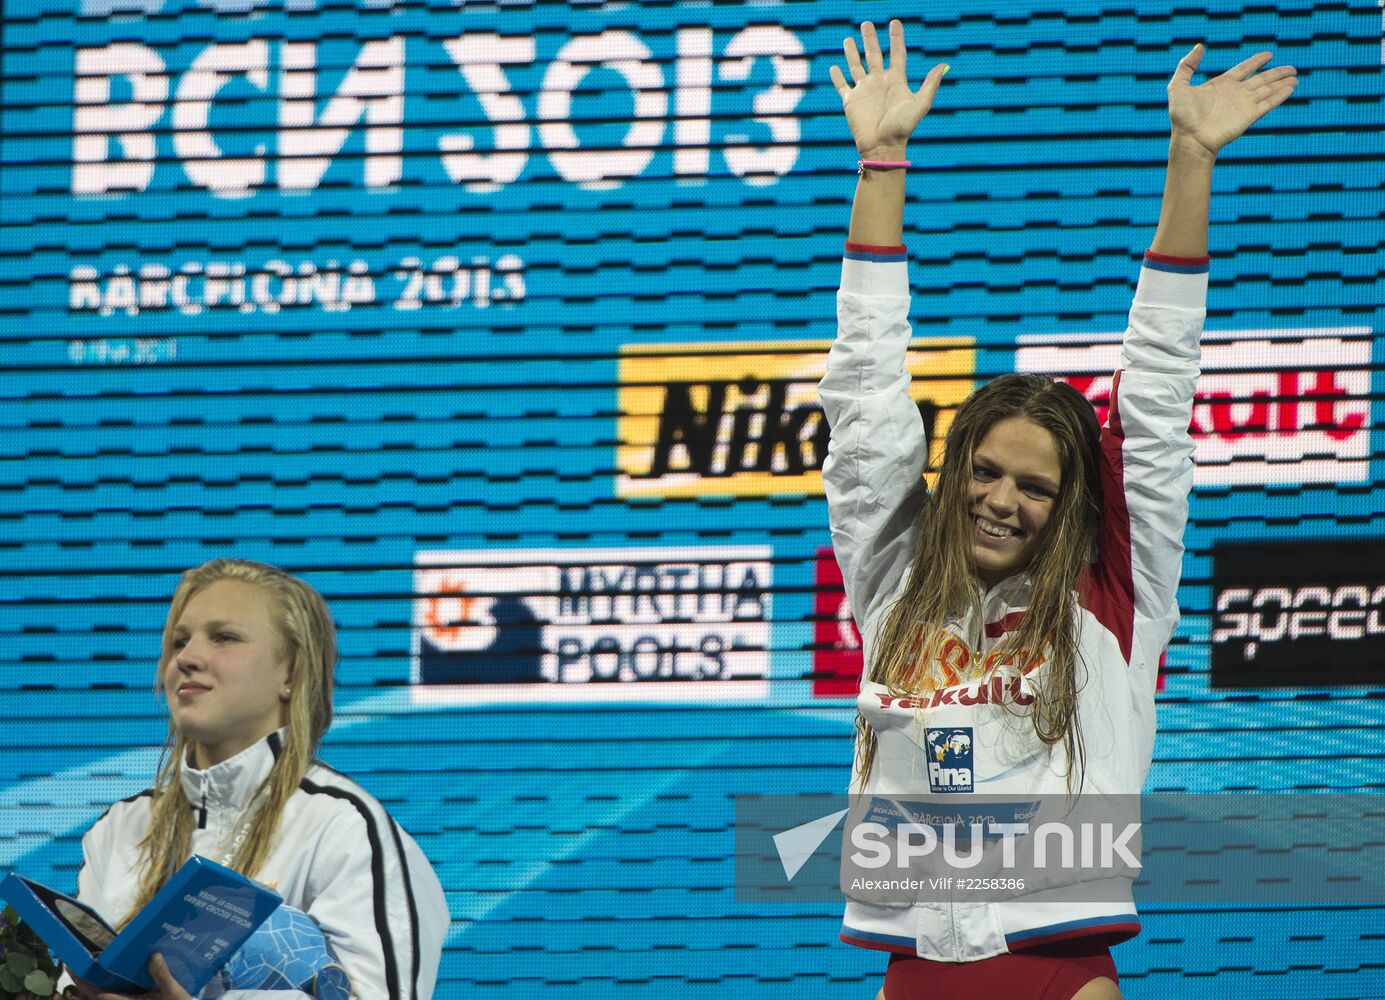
x=246 y=669
x=1015 y=615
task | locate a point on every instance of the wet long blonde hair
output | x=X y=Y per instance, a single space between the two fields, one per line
x=307 y=638
x=942 y=581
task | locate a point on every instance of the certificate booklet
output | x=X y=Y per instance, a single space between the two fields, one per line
x=197 y=921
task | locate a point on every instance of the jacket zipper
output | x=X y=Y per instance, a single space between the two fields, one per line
x=202 y=813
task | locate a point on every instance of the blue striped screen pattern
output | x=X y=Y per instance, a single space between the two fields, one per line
x=500 y=323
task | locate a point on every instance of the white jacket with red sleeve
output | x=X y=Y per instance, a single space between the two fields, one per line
x=874 y=483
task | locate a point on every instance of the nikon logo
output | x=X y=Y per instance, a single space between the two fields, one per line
x=745 y=420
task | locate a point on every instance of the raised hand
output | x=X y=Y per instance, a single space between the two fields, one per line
x=1213 y=114
x=881 y=110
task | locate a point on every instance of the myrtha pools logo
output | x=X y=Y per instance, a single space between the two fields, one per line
x=596 y=624
x=950 y=759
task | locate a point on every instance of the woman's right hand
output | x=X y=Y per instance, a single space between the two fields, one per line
x=165 y=987
x=881 y=110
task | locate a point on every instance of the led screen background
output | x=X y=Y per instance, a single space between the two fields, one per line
x=430 y=303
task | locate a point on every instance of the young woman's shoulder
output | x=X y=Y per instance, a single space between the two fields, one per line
x=354 y=828
x=323 y=779
x=127 y=814
x=326 y=790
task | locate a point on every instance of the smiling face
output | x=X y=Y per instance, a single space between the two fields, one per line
x=225 y=674
x=1015 y=478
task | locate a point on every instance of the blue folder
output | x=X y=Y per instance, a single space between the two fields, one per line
x=197 y=921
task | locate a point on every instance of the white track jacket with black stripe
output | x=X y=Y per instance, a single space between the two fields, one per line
x=338 y=856
x=1127 y=613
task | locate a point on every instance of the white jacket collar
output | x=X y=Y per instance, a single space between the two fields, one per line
x=232 y=784
x=1014 y=589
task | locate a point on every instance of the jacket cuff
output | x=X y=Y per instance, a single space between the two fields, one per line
x=875 y=254
x=875 y=270
x=1173 y=281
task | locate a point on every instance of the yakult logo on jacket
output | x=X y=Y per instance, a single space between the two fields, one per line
x=950 y=761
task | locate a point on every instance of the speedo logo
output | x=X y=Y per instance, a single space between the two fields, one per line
x=1287 y=614
x=950 y=761
x=1308 y=613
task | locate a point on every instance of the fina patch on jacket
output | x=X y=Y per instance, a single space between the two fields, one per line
x=950 y=763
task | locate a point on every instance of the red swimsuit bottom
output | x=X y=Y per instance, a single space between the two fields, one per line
x=1048 y=972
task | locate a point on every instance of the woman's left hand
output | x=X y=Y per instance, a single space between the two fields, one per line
x=1213 y=114
x=165 y=986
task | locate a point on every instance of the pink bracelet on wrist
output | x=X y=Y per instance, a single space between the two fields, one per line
x=863 y=165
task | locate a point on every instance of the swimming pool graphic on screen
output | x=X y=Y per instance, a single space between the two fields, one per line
x=345 y=286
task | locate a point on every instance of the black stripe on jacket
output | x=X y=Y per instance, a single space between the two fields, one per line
x=377 y=872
